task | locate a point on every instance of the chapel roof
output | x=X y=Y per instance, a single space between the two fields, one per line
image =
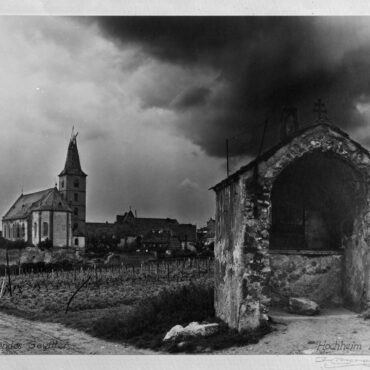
x=270 y=152
x=72 y=165
x=44 y=200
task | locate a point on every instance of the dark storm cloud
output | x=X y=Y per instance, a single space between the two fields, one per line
x=191 y=97
x=176 y=39
x=263 y=64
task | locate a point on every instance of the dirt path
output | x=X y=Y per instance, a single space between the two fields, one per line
x=332 y=332
x=22 y=336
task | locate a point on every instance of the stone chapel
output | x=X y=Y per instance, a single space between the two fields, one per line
x=294 y=222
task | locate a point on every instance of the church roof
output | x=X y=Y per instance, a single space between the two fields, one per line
x=72 y=165
x=142 y=225
x=128 y=224
x=44 y=200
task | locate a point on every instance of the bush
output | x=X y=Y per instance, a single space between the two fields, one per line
x=103 y=243
x=65 y=265
x=149 y=320
x=16 y=244
x=155 y=315
x=45 y=244
x=179 y=253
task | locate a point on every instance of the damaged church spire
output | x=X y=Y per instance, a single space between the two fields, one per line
x=72 y=165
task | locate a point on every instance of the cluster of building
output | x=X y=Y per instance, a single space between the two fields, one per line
x=58 y=215
x=150 y=234
x=206 y=234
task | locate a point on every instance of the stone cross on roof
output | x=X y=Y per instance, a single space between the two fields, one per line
x=73 y=135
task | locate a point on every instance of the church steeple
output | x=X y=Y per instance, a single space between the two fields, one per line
x=72 y=165
x=72 y=186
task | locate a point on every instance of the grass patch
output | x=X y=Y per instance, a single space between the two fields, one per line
x=190 y=302
x=148 y=321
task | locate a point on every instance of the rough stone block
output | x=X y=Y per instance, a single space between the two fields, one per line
x=192 y=330
x=303 y=306
x=174 y=333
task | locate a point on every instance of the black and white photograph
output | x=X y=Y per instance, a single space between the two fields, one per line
x=185 y=185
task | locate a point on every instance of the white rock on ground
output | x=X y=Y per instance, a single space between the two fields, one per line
x=174 y=332
x=303 y=306
x=192 y=330
x=204 y=330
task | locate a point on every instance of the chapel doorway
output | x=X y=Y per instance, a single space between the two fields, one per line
x=316 y=234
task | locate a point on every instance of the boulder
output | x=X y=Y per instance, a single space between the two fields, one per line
x=204 y=330
x=192 y=330
x=174 y=333
x=303 y=306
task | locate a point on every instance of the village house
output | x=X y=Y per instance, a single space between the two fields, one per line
x=294 y=222
x=206 y=234
x=56 y=215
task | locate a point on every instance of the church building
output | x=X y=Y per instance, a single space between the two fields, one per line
x=55 y=215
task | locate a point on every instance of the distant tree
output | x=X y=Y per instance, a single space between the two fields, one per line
x=45 y=244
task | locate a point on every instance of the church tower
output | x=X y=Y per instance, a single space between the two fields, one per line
x=72 y=186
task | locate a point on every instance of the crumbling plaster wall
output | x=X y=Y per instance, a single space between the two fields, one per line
x=315 y=277
x=356 y=269
x=241 y=257
x=243 y=220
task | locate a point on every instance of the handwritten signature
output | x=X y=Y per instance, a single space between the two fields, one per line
x=334 y=362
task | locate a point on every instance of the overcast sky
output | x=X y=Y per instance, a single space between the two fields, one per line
x=153 y=100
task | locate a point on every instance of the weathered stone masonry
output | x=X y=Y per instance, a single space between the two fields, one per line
x=248 y=275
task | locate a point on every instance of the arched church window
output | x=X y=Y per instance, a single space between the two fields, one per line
x=23 y=233
x=75 y=211
x=62 y=184
x=5 y=231
x=76 y=241
x=75 y=226
x=76 y=183
x=76 y=197
x=35 y=229
x=45 y=229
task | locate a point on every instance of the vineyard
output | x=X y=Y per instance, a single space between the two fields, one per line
x=56 y=291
